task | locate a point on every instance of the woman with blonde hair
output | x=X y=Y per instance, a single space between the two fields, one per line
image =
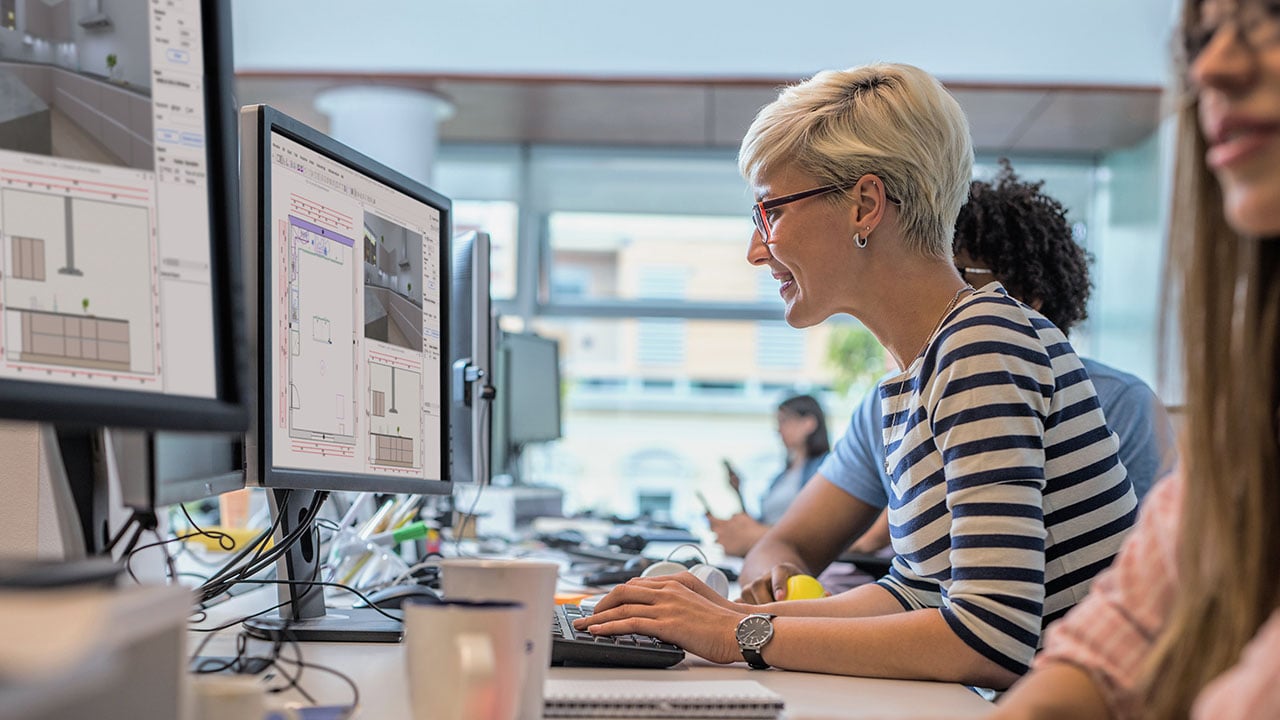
x=1007 y=493
x=1186 y=623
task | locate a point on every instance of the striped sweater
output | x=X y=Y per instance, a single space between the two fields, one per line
x=1008 y=496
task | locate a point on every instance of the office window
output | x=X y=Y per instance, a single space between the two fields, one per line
x=499 y=218
x=660 y=342
x=708 y=402
x=778 y=345
x=645 y=257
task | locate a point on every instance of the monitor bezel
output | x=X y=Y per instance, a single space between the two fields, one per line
x=79 y=405
x=270 y=120
x=471 y=409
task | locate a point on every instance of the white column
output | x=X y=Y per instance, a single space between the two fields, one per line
x=398 y=127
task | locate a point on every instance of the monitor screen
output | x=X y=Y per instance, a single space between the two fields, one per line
x=532 y=387
x=354 y=303
x=120 y=274
x=165 y=468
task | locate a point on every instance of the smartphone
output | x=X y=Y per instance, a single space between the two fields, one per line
x=706 y=506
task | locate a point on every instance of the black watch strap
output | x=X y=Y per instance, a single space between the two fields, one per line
x=754 y=659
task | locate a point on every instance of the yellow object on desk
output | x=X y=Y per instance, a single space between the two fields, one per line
x=805 y=587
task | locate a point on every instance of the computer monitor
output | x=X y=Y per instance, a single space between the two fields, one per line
x=528 y=397
x=177 y=467
x=352 y=304
x=120 y=283
x=471 y=354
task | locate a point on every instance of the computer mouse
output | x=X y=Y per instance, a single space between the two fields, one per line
x=629 y=542
x=391 y=598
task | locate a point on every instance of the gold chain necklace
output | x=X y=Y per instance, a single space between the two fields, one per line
x=950 y=306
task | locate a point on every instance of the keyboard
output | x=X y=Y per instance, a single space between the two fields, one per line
x=578 y=647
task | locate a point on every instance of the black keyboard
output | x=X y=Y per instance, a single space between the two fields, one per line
x=579 y=647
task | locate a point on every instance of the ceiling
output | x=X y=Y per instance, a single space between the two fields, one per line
x=1018 y=119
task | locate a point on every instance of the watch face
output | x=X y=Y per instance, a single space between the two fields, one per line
x=754 y=631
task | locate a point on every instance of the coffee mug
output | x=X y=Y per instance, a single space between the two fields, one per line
x=528 y=582
x=465 y=660
x=234 y=697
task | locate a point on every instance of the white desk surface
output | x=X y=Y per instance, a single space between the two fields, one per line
x=379 y=670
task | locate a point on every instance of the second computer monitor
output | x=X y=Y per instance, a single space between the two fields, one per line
x=533 y=388
x=354 y=294
x=528 y=401
x=471 y=355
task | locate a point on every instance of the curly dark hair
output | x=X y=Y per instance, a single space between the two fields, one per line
x=1024 y=237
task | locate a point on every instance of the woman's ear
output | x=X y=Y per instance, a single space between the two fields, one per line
x=868 y=204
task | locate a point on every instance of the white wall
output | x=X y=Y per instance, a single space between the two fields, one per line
x=128 y=37
x=1085 y=41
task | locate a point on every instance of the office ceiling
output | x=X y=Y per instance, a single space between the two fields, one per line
x=681 y=113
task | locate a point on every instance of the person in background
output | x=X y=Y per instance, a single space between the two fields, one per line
x=1008 y=492
x=1187 y=621
x=802 y=427
x=1013 y=233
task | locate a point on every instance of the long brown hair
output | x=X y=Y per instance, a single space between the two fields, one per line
x=1229 y=536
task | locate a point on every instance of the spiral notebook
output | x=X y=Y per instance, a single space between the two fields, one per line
x=660 y=699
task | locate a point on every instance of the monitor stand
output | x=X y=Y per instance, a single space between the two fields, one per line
x=303 y=617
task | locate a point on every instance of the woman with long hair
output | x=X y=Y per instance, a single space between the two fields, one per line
x=1186 y=622
x=802 y=428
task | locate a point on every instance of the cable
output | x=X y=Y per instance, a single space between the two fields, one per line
x=355 y=689
x=231 y=564
x=482 y=481
x=225 y=541
x=315 y=583
x=224 y=579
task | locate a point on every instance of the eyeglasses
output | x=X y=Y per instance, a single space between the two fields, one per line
x=1255 y=22
x=760 y=211
x=965 y=272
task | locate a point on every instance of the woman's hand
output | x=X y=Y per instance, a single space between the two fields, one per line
x=679 y=609
x=770 y=586
x=737 y=534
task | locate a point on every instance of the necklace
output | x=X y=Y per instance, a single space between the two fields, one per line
x=950 y=306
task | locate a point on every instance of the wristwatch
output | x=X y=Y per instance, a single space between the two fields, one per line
x=753 y=633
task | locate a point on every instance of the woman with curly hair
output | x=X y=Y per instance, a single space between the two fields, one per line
x=1010 y=231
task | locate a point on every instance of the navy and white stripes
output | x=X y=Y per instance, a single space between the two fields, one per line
x=1008 y=495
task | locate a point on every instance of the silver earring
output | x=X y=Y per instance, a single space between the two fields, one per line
x=859 y=240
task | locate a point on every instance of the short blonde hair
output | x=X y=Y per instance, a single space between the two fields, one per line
x=896 y=121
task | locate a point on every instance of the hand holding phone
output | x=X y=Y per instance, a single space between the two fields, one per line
x=735 y=481
x=706 y=506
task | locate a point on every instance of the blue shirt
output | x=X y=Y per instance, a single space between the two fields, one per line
x=784 y=488
x=1133 y=412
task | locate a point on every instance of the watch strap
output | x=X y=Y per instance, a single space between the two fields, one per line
x=754 y=659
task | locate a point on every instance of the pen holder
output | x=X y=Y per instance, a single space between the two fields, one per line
x=362 y=564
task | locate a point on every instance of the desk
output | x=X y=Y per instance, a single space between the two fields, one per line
x=379 y=672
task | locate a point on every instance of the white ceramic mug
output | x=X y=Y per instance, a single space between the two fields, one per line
x=528 y=582
x=465 y=660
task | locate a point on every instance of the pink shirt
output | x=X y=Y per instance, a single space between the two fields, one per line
x=1110 y=633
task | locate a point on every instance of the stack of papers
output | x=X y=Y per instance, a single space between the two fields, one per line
x=660 y=699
